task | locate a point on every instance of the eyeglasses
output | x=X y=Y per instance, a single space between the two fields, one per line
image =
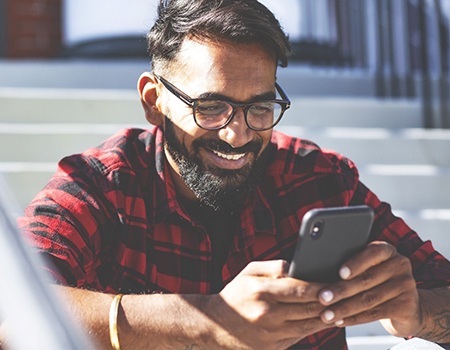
x=214 y=114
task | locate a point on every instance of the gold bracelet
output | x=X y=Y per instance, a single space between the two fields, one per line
x=113 y=316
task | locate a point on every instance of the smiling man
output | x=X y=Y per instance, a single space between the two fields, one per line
x=218 y=158
x=178 y=237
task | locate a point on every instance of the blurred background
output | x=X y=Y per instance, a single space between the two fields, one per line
x=368 y=78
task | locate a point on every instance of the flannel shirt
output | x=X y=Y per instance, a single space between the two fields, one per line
x=109 y=220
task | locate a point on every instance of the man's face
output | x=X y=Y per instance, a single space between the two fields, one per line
x=219 y=167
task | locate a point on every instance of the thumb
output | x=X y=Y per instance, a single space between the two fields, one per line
x=271 y=268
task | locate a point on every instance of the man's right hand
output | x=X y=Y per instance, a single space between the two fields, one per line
x=263 y=309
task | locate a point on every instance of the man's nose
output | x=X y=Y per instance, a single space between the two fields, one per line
x=236 y=133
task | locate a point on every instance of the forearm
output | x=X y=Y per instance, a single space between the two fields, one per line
x=435 y=314
x=155 y=321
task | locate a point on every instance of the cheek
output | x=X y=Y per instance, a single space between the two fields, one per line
x=265 y=137
x=186 y=131
x=184 y=123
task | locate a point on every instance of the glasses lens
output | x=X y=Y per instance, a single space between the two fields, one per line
x=263 y=115
x=211 y=114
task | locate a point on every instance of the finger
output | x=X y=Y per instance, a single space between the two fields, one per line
x=380 y=312
x=292 y=290
x=397 y=268
x=270 y=268
x=375 y=303
x=374 y=254
x=298 y=311
x=304 y=327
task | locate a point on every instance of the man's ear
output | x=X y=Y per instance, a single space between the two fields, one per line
x=149 y=92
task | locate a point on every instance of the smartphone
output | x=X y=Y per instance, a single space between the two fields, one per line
x=327 y=238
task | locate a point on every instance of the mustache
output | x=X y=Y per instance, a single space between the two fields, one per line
x=253 y=146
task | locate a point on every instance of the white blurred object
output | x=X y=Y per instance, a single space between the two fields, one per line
x=34 y=317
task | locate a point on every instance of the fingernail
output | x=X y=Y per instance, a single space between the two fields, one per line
x=328 y=315
x=345 y=272
x=327 y=296
x=339 y=323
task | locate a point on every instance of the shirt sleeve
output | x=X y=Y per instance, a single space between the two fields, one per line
x=69 y=220
x=430 y=268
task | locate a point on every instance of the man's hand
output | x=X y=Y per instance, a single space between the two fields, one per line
x=377 y=285
x=263 y=310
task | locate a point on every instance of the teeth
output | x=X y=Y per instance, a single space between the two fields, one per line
x=229 y=156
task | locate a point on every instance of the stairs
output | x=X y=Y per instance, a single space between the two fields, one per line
x=408 y=167
x=404 y=164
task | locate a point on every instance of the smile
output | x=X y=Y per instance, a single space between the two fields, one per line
x=229 y=156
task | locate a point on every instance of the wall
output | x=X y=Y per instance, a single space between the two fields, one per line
x=33 y=28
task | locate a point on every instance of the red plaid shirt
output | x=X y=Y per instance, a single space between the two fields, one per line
x=109 y=220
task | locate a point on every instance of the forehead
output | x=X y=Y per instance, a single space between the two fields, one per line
x=238 y=71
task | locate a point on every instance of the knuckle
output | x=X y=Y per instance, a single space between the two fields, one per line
x=383 y=248
x=366 y=278
x=298 y=290
x=304 y=291
x=311 y=309
x=259 y=313
x=278 y=268
x=257 y=289
x=369 y=299
x=251 y=265
x=369 y=315
x=343 y=309
x=404 y=262
x=374 y=313
x=407 y=283
x=307 y=327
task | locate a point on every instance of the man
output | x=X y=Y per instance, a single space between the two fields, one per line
x=194 y=219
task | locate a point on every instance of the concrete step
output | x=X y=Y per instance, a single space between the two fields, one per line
x=381 y=145
x=370 y=112
x=26 y=105
x=123 y=74
x=51 y=141
x=123 y=106
x=409 y=186
x=69 y=74
x=432 y=225
x=25 y=180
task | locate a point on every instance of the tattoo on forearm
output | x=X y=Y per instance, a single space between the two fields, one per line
x=441 y=329
x=442 y=320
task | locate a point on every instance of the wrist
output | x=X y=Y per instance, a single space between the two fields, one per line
x=434 y=315
x=210 y=330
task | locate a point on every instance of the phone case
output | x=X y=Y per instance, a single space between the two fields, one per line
x=327 y=238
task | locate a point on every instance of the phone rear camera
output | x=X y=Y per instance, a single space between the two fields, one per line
x=316 y=230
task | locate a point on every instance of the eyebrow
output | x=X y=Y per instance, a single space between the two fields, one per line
x=270 y=95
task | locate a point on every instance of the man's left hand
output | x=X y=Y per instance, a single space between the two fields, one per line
x=377 y=284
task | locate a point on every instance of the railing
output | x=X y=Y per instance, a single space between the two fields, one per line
x=405 y=43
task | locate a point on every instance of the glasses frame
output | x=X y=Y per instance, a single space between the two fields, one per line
x=193 y=102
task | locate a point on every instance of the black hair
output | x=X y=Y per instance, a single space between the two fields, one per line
x=235 y=21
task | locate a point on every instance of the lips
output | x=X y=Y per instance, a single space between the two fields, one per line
x=216 y=160
x=217 y=155
x=229 y=156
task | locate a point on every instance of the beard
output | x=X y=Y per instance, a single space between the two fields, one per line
x=222 y=190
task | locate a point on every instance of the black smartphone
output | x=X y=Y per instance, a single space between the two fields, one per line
x=327 y=238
